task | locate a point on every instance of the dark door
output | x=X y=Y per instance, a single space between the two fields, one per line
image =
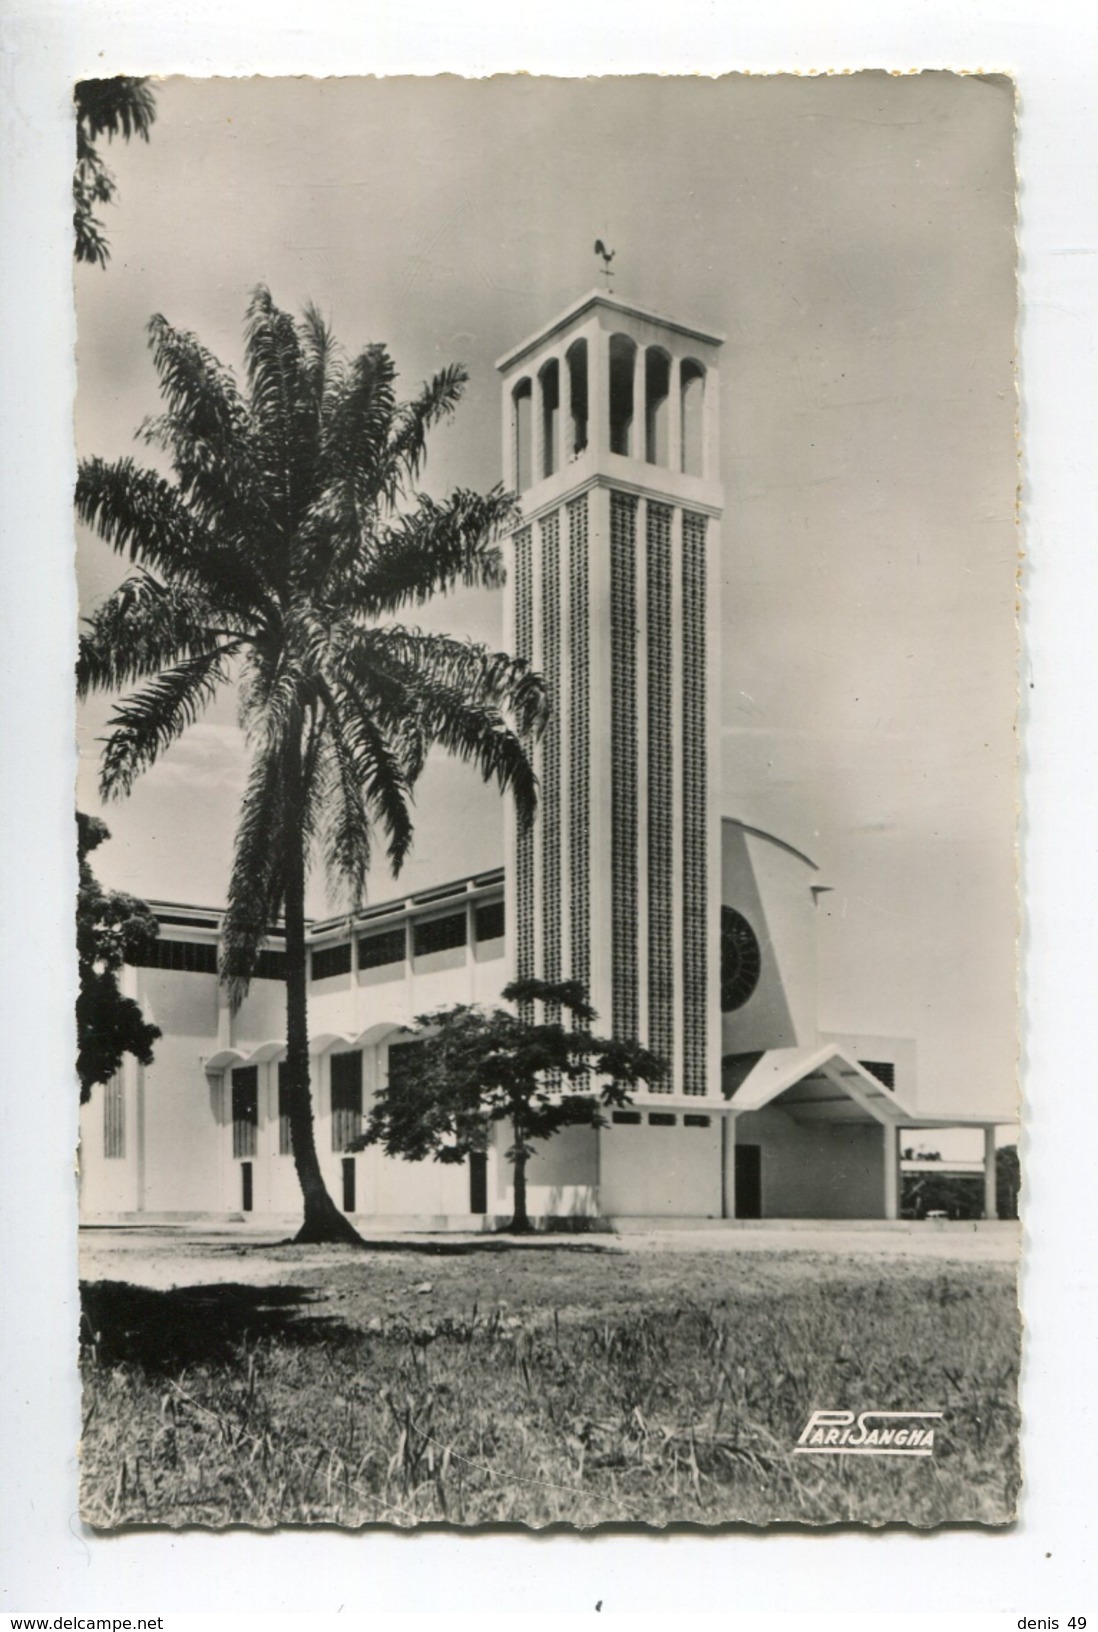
x=748 y=1181
x=478 y=1182
x=349 y=1185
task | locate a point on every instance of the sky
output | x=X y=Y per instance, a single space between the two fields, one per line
x=853 y=238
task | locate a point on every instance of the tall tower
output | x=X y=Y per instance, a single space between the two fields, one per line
x=611 y=425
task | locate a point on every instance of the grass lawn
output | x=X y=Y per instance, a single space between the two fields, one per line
x=476 y=1383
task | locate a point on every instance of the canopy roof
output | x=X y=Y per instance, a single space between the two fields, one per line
x=821 y=1083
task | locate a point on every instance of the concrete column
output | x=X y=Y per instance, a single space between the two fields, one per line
x=674 y=416
x=890 y=1136
x=598 y=392
x=562 y=446
x=638 y=440
x=728 y=1166
x=991 y=1209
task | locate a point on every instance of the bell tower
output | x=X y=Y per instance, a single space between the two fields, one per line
x=611 y=438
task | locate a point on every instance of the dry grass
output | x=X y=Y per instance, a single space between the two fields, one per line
x=602 y=1390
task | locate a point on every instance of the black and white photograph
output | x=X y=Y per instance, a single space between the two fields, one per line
x=548 y=793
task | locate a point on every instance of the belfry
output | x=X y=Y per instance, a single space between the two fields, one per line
x=611 y=439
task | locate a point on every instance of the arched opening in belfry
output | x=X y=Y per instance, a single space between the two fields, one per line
x=657 y=406
x=576 y=359
x=522 y=420
x=549 y=380
x=623 y=354
x=693 y=418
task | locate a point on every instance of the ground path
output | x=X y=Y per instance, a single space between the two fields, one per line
x=162 y=1256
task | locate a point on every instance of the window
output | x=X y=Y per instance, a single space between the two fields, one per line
x=348 y=1184
x=329 y=961
x=623 y=763
x=524 y=843
x=741 y=960
x=488 y=921
x=478 y=1181
x=382 y=947
x=192 y=957
x=438 y=934
x=622 y=359
x=245 y=1084
x=346 y=1099
x=579 y=750
x=662 y=1119
x=692 y=1121
x=626 y=1119
x=883 y=1070
x=661 y=846
x=270 y=965
x=285 y=1137
x=695 y=881
x=114 y=1117
x=550 y=762
x=523 y=428
x=247 y=1197
x=402 y=1062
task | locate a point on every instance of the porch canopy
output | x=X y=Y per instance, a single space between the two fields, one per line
x=823 y=1083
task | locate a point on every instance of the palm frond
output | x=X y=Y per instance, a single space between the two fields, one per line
x=140 y=514
x=431 y=549
x=283 y=409
x=480 y=706
x=205 y=429
x=120 y=106
x=356 y=467
x=437 y=400
x=147 y=722
x=372 y=784
x=324 y=363
x=256 y=884
x=415 y=662
x=144 y=626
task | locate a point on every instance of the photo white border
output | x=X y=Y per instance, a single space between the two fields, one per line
x=1038 y=1567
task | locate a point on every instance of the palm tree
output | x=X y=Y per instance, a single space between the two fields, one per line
x=122 y=106
x=279 y=558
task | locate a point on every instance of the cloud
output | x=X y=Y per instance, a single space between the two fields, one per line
x=206 y=756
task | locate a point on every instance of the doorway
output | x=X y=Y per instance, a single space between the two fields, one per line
x=748 y=1181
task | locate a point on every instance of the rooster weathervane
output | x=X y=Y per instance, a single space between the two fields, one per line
x=607 y=257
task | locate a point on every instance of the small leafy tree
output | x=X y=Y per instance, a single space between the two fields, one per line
x=1008 y=1181
x=122 y=106
x=110 y=927
x=475 y=1067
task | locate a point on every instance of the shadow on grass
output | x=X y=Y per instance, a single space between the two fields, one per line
x=415 y=1246
x=194 y=1325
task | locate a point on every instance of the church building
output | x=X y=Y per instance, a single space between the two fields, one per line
x=694 y=933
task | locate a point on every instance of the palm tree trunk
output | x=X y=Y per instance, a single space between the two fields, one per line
x=323 y=1220
x=520 y=1221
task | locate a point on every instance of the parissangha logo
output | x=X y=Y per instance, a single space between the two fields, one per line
x=869 y=1433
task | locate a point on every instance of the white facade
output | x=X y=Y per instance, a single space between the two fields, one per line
x=694 y=935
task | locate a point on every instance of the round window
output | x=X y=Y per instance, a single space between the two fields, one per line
x=741 y=960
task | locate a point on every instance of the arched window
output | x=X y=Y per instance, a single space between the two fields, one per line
x=549 y=380
x=657 y=393
x=522 y=421
x=622 y=359
x=576 y=358
x=693 y=407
